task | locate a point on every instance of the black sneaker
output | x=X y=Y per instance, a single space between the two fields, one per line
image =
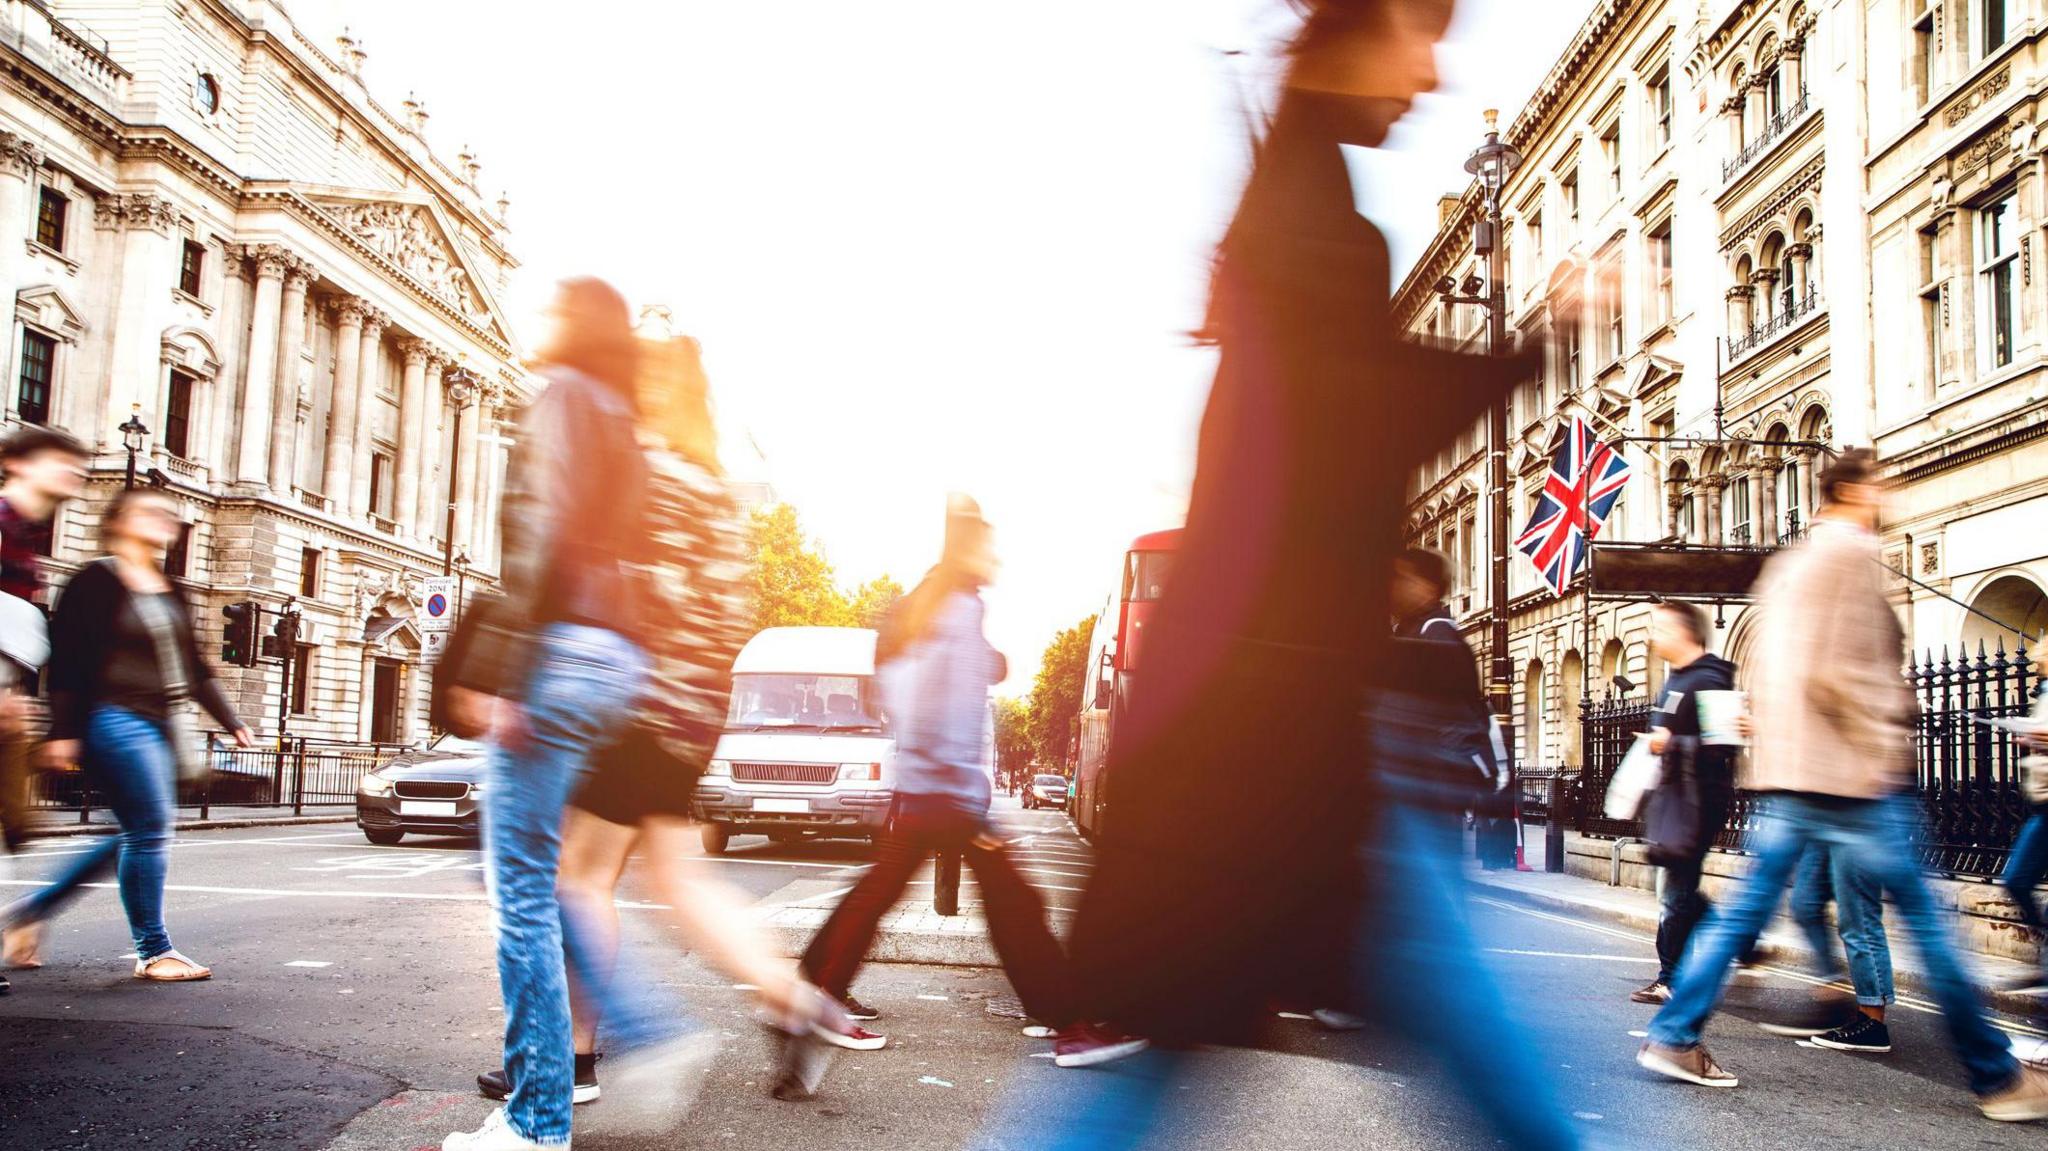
x=5 y=986
x=1860 y=1034
x=494 y=1085
x=1818 y=1016
x=856 y=1010
x=1657 y=992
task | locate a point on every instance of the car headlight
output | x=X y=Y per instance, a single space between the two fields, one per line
x=866 y=771
x=476 y=789
x=719 y=767
x=374 y=784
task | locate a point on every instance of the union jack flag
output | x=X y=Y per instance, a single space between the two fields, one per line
x=1586 y=478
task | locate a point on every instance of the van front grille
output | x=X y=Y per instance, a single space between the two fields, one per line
x=785 y=772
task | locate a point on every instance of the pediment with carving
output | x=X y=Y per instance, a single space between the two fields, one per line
x=412 y=238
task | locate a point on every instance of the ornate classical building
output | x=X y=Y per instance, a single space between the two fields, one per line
x=209 y=224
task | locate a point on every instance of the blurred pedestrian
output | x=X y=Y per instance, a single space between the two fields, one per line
x=936 y=667
x=555 y=679
x=1678 y=636
x=1829 y=1018
x=2027 y=866
x=42 y=468
x=1248 y=717
x=1834 y=754
x=123 y=665
x=639 y=794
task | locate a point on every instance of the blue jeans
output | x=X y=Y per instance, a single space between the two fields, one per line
x=1417 y=964
x=127 y=759
x=582 y=687
x=1873 y=837
x=1859 y=915
x=2027 y=866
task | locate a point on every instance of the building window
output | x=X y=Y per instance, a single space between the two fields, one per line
x=190 y=263
x=1660 y=110
x=178 y=417
x=178 y=557
x=1660 y=274
x=1568 y=359
x=1930 y=304
x=1790 y=517
x=206 y=94
x=1568 y=192
x=309 y=573
x=1610 y=309
x=1610 y=152
x=1997 y=222
x=51 y=212
x=380 y=485
x=1924 y=55
x=302 y=679
x=1994 y=19
x=38 y=360
x=1736 y=514
x=1774 y=97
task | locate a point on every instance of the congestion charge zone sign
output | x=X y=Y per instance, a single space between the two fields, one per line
x=437 y=613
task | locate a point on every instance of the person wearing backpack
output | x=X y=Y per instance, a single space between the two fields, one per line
x=1704 y=778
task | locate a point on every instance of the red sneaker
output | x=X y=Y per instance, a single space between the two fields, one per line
x=850 y=1035
x=1090 y=1044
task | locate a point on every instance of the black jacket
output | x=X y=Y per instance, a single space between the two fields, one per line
x=1678 y=709
x=98 y=656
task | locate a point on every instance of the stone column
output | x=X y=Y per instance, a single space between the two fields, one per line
x=1738 y=311
x=1764 y=478
x=1790 y=67
x=465 y=476
x=411 y=413
x=1731 y=116
x=429 y=516
x=1714 y=485
x=291 y=339
x=1801 y=255
x=1765 y=280
x=341 y=411
x=1809 y=484
x=260 y=377
x=19 y=160
x=1755 y=108
x=134 y=368
x=1759 y=483
x=367 y=359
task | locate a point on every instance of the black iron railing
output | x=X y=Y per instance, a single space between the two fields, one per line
x=1772 y=128
x=1966 y=771
x=1793 y=311
x=295 y=773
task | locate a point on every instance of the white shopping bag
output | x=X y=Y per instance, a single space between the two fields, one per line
x=1638 y=775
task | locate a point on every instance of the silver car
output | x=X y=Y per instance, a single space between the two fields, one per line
x=434 y=790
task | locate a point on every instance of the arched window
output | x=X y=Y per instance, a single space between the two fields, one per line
x=1771 y=299
x=1570 y=692
x=1531 y=742
x=1735 y=510
x=1682 y=516
x=2018 y=604
x=1791 y=516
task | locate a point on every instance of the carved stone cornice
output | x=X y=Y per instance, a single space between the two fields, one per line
x=1741 y=292
x=1807 y=177
x=1716 y=482
x=1764 y=277
x=1986 y=90
x=19 y=155
x=1800 y=251
x=1733 y=105
x=135 y=210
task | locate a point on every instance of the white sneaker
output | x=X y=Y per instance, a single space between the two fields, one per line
x=1331 y=1019
x=495 y=1135
x=649 y=1091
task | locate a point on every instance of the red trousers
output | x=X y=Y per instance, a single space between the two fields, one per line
x=918 y=827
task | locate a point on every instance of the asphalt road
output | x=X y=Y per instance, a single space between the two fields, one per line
x=356 y=999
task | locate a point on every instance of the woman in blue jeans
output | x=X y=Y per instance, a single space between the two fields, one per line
x=123 y=661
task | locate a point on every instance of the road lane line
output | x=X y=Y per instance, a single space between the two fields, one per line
x=1573 y=955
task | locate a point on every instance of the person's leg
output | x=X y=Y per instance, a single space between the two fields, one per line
x=1733 y=927
x=1859 y=914
x=1877 y=840
x=837 y=951
x=1680 y=906
x=1016 y=924
x=1112 y=1108
x=146 y=807
x=712 y=913
x=594 y=853
x=15 y=813
x=2026 y=867
x=1420 y=963
x=579 y=689
x=86 y=867
x=1813 y=889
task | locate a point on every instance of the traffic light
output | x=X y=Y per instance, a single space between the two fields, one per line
x=238 y=639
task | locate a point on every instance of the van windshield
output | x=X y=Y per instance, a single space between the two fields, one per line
x=805 y=702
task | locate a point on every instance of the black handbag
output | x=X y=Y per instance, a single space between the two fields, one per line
x=1671 y=817
x=486 y=653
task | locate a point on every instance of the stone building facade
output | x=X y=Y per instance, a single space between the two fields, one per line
x=207 y=221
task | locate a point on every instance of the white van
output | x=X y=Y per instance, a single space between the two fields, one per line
x=805 y=750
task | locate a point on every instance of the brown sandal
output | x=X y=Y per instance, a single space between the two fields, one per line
x=21 y=946
x=171 y=967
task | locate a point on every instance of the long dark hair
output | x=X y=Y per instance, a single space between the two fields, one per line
x=596 y=335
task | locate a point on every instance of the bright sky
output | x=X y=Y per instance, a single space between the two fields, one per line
x=928 y=245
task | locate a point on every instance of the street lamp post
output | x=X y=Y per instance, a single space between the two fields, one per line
x=461 y=583
x=1493 y=162
x=462 y=392
x=133 y=433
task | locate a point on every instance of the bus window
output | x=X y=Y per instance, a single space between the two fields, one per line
x=1146 y=574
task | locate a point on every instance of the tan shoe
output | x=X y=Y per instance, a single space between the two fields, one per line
x=2023 y=1100
x=171 y=967
x=1690 y=1064
x=21 y=946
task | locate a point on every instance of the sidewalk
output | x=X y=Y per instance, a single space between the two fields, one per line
x=1636 y=909
x=100 y=820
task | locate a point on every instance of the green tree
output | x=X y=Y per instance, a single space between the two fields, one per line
x=1056 y=694
x=1013 y=740
x=793 y=584
x=873 y=599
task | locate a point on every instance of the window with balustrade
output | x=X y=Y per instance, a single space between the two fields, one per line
x=1735 y=512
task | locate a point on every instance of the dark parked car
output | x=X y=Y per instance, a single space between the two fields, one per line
x=434 y=790
x=1046 y=791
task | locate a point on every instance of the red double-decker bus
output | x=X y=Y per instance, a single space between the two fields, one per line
x=1114 y=654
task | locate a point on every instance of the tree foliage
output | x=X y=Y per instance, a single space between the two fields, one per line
x=1056 y=694
x=793 y=583
x=1013 y=740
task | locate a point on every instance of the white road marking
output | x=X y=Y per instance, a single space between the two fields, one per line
x=309 y=963
x=1574 y=955
x=935 y=998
